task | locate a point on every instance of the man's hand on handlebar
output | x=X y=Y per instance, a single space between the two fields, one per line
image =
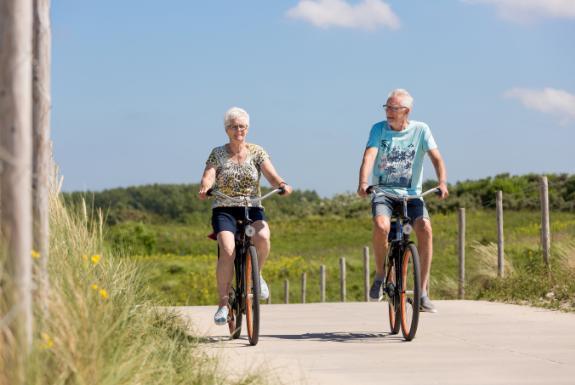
x=362 y=189
x=443 y=188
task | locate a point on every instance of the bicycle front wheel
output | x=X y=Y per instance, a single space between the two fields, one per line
x=409 y=291
x=252 y=295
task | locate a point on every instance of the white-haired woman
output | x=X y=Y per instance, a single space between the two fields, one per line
x=235 y=169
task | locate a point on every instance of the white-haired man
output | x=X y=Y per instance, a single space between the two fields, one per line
x=394 y=156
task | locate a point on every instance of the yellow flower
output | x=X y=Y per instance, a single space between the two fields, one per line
x=94 y=286
x=47 y=341
x=35 y=254
x=96 y=259
x=103 y=293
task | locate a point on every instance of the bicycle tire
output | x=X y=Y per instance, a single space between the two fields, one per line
x=252 y=295
x=410 y=291
x=393 y=298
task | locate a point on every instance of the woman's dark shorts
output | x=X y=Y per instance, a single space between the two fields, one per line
x=383 y=205
x=225 y=218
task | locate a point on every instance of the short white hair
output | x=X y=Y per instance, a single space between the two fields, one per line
x=236 y=113
x=406 y=98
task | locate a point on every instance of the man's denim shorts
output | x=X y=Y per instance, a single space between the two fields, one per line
x=385 y=206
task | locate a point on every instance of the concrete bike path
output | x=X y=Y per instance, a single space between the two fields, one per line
x=466 y=342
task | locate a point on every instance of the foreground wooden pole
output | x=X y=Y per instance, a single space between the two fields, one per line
x=15 y=174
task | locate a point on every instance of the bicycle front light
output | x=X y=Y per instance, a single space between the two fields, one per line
x=250 y=231
x=407 y=229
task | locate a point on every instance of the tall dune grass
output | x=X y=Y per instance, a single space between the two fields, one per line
x=100 y=329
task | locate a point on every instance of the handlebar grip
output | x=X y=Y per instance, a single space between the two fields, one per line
x=369 y=190
x=209 y=192
x=282 y=190
x=438 y=191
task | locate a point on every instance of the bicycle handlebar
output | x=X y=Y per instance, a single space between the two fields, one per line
x=245 y=199
x=376 y=191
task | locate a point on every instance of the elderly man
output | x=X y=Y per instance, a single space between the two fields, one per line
x=394 y=156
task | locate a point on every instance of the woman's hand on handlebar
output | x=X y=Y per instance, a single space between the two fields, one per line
x=204 y=192
x=287 y=189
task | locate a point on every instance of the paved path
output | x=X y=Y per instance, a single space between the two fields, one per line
x=466 y=342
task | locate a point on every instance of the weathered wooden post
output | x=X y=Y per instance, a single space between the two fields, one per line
x=500 y=241
x=545 y=233
x=16 y=177
x=303 y=286
x=342 y=284
x=461 y=249
x=366 y=273
x=42 y=158
x=322 y=283
x=286 y=291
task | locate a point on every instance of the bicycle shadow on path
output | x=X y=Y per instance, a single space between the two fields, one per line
x=345 y=337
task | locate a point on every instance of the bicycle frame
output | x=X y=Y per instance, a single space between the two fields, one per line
x=244 y=299
x=402 y=257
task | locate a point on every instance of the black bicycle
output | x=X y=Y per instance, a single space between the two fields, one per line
x=244 y=296
x=402 y=279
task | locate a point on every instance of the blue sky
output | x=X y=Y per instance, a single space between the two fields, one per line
x=140 y=87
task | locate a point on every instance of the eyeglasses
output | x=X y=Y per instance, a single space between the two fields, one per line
x=238 y=127
x=393 y=108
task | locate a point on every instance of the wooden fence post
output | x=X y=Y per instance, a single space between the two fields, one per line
x=461 y=248
x=303 y=286
x=500 y=240
x=366 y=273
x=322 y=283
x=342 y=283
x=545 y=234
x=286 y=291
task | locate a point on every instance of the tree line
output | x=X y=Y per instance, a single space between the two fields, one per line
x=179 y=203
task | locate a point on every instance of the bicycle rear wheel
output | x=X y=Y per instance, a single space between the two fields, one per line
x=252 y=295
x=393 y=298
x=409 y=293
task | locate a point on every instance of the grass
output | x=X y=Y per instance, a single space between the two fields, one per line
x=303 y=245
x=102 y=329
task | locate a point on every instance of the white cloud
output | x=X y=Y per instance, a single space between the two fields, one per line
x=369 y=14
x=528 y=10
x=549 y=100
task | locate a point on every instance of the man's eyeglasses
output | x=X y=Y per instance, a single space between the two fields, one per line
x=238 y=127
x=393 y=108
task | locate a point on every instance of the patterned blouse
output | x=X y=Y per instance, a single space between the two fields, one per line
x=235 y=179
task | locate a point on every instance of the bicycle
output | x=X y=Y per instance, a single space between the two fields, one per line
x=245 y=292
x=402 y=279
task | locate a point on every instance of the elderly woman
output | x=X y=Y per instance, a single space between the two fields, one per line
x=235 y=169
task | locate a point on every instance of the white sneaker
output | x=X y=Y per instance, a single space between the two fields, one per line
x=264 y=290
x=221 y=316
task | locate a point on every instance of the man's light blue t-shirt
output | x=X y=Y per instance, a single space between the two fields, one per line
x=399 y=163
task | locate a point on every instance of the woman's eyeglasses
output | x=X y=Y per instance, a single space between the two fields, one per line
x=238 y=127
